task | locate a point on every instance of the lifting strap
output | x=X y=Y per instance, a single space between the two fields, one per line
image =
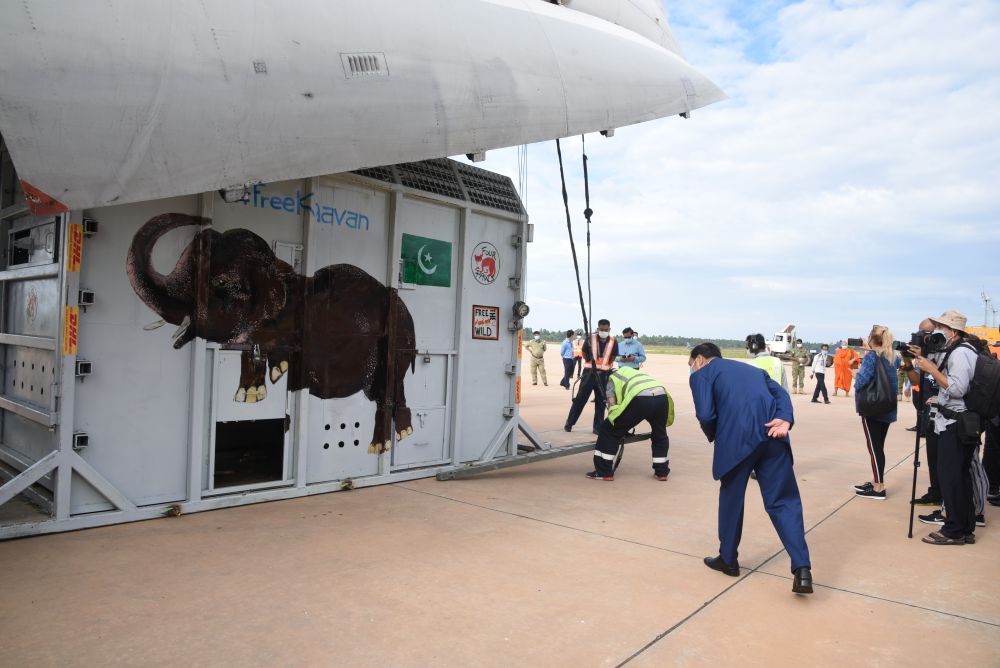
x=576 y=265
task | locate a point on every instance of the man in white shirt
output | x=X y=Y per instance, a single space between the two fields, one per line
x=819 y=373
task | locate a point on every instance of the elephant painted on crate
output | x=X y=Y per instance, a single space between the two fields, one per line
x=330 y=332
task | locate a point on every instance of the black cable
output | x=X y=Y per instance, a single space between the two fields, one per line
x=572 y=244
x=576 y=266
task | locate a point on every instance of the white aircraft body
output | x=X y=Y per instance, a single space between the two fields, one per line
x=113 y=101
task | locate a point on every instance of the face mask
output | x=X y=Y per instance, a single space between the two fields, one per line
x=826 y=350
x=604 y=335
x=537 y=337
x=627 y=338
x=843 y=346
x=798 y=345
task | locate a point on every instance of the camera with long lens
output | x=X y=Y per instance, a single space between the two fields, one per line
x=927 y=341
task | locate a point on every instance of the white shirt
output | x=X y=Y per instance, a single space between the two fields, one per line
x=819 y=362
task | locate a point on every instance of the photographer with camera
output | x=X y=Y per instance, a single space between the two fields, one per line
x=924 y=391
x=878 y=366
x=957 y=430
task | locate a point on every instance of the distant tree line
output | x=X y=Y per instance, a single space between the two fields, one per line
x=658 y=339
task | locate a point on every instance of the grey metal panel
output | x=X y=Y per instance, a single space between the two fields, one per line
x=340 y=431
x=227 y=382
x=330 y=242
x=34 y=342
x=135 y=405
x=27 y=440
x=486 y=385
x=29 y=374
x=33 y=307
x=427 y=444
x=32 y=242
x=39 y=271
x=432 y=308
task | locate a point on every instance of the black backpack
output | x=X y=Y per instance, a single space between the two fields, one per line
x=983 y=396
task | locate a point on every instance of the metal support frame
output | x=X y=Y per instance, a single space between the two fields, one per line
x=469 y=470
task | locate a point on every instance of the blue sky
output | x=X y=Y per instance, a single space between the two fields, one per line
x=852 y=178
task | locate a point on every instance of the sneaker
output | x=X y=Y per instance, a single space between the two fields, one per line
x=871 y=494
x=661 y=478
x=980 y=520
x=864 y=487
x=970 y=539
x=993 y=495
x=594 y=475
x=934 y=518
x=927 y=500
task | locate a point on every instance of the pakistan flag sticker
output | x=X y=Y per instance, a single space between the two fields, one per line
x=426 y=261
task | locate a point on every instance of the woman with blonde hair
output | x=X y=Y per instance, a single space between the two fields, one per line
x=876 y=427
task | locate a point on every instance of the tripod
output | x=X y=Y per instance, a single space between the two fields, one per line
x=921 y=423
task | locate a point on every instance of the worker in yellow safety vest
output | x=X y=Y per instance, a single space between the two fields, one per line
x=633 y=396
x=762 y=359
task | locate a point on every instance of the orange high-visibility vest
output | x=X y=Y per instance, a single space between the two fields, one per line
x=604 y=362
x=578 y=348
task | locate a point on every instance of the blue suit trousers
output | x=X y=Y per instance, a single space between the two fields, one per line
x=772 y=461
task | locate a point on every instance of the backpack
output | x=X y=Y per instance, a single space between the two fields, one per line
x=983 y=396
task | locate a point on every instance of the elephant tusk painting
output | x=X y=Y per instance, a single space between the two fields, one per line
x=335 y=333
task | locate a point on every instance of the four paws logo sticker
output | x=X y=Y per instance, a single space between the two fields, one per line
x=485 y=263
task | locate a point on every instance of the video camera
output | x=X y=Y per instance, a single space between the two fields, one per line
x=927 y=341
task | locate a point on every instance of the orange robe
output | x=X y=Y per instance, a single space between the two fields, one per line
x=843 y=361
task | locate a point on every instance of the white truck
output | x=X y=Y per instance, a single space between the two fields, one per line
x=782 y=343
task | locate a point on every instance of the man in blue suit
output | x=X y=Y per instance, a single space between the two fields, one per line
x=748 y=416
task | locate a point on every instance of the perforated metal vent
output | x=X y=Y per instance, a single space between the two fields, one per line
x=433 y=176
x=452 y=179
x=364 y=65
x=489 y=189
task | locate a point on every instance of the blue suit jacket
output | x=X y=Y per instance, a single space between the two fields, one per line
x=733 y=401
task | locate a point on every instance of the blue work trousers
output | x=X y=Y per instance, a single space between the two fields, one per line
x=772 y=462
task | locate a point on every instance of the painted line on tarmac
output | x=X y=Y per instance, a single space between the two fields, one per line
x=891 y=600
x=756 y=569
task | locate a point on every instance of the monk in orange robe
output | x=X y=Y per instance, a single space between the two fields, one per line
x=843 y=362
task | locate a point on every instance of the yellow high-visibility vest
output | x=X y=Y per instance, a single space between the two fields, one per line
x=628 y=383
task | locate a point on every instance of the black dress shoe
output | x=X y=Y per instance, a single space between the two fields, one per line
x=717 y=564
x=803 y=582
x=911 y=428
x=567 y=427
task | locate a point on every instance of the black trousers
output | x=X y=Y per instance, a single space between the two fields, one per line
x=821 y=387
x=991 y=456
x=954 y=460
x=875 y=433
x=568 y=364
x=653 y=410
x=591 y=383
x=579 y=365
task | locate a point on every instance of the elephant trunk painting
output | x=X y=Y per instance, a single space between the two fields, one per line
x=335 y=333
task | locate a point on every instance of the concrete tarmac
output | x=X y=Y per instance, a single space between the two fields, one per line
x=530 y=566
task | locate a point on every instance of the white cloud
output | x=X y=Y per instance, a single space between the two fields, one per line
x=865 y=146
